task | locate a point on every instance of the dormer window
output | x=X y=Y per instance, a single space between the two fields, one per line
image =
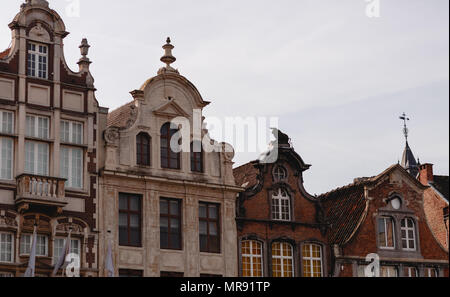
x=37 y=61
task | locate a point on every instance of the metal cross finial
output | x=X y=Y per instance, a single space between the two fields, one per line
x=405 y=128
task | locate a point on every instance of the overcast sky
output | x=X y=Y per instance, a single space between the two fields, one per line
x=337 y=79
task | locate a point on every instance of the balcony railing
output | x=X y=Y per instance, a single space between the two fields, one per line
x=43 y=190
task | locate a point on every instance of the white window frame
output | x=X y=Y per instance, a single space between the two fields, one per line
x=283 y=258
x=11 y=252
x=311 y=259
x=6 y=161
x=35 y=126
x=387 y=268
x=428 y=272
x=408 y=271
x=60 y=249
x=9 y=124
x=36 y=158
x=25 y=247
x=252 y=256
x=406 y=229
x=33 y=65
x=280 y=173
x=279 y=200
x=71 y=135
x=70 y=166
x=384 y=218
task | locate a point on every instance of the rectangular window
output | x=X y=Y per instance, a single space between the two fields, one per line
x=209 y=227
x=386 y=233
x=130 y=220
x=71 y=166
x=58 y=248
x=6 y=274
x=41 y=245
x=6 y=122
x=130 y=273
x=170 y=223
x=36 y=158
x=171 y=274
x=388 y=271
x=252 y=258
x=37 y=60
x=37 y=127
x=312 y=260
x=71 y=132
x=410 y=272
x=430 y=272
x=6 y=247
x=6 y=158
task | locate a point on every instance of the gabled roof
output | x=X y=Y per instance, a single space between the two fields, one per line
x=441 y=184
x=120 y=116
x=346 y=207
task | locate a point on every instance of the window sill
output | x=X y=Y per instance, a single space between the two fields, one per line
x=11 y=182
x=83 y=146
x=29 y=138
x=76 y=190
x=8 y=135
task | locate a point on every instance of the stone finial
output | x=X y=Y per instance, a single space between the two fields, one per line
x=42 y=3
x=84 y=61
x=84 y=48
x=168 y=58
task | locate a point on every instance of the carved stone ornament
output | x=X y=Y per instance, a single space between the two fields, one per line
x=228 y=152
x=66 y=227
x=133 y=116
x=111 y=135
x=7 y=222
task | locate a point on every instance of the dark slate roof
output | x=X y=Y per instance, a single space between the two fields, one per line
x=344 y=210
x=409 y=162
x=246 y=175
x=441 y=183
x=120 y=116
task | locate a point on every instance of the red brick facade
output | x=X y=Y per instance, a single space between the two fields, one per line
x=395 y=183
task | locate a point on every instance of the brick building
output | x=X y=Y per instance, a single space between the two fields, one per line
x=383 y=215
x=436 y=202
x=168 y=213
x=48 y=146
x=281 y=228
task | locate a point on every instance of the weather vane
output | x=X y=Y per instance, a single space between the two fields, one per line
x=405 y=119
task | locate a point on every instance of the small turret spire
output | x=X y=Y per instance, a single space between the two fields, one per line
x=405 y=127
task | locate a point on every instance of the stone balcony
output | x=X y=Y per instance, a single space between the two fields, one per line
x=43 y=191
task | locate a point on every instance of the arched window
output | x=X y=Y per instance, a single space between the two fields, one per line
x=252 y=258
x=312 y=260
x=279 y=173
x=281 y=206
x=282 y=260
x=196 y=156
x=143 y=149
x=408 y=234
x=169 y=158
x=386 y=233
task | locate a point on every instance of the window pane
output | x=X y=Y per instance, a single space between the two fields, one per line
x=174 y=208
x=123 y=203
x=6 y=152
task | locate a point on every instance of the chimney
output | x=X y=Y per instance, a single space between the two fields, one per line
x=426 y=173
